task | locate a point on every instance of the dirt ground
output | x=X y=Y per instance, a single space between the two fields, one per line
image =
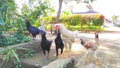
x=108 y=53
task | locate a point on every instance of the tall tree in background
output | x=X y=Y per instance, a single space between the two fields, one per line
x=60 y=6
x=59 y=10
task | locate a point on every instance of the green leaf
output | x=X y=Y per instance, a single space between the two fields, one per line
x=16 y=56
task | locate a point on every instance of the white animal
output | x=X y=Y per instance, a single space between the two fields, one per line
x=68 y=36
x=42 y=27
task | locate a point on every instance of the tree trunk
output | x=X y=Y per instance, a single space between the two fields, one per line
x=59 y=10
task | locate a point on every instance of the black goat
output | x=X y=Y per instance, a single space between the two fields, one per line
x=45 y=44
x=33 y=30
x=59 y=43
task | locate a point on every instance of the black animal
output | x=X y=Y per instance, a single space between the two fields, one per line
x=45 y=44
x=33 y=30
x=59 y=43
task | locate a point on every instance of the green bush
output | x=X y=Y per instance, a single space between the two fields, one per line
x=46 y=20
x=74 y=27
x=17 y=35
x=75 y=21
x=85 y=28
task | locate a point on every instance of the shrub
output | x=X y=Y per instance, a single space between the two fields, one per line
x=75 y=21
x=84 y=19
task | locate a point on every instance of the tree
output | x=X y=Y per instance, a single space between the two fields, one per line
x=42 y=9
x=59 y=10
x=9 y=22
x=7 y=8
x=60 y=6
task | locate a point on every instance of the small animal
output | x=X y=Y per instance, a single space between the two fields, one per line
x=68 y=36
x=59 y=43
x=42 y=27
x=45 y=45
x=91 y=45
x=33 y=30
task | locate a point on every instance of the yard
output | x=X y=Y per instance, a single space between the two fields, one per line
x=22 y=20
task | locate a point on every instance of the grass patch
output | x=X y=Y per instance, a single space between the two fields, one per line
x=85 y=28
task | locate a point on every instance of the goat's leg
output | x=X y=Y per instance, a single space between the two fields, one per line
x=44 y=54
x=48 y=54
x=34 y=37
x=88 y=58
x=43 y=51
x=96 y=59
x=57 y=52
x=61 y=50
x=95 y=54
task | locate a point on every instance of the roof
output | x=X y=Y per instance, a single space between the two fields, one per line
x=83 y=8
x=86 y=12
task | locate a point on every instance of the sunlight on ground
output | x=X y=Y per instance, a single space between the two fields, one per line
x=113 y=29
x=106 y=50
x=76 y=47
x=107 y=54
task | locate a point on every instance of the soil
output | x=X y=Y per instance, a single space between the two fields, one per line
x=108 y=52
x=108 y=55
